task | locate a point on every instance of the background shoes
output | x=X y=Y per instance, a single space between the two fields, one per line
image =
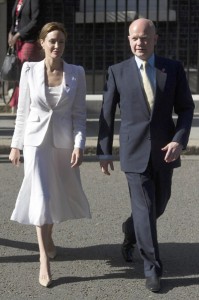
x=52 y=254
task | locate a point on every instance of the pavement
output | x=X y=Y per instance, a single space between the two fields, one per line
x=7 y=122
x=89 y=265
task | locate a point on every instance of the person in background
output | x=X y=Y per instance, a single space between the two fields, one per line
x=147 y=89
x=23 y=35
x=51 y=130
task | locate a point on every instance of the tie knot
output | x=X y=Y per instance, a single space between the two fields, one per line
x=144 y=64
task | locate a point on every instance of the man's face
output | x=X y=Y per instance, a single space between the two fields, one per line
x=142 y=39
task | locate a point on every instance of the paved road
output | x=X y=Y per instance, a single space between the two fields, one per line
x=89 y=265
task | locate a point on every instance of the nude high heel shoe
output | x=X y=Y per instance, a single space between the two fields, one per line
x=45 y=278
x=52 y=254
x=45 y=281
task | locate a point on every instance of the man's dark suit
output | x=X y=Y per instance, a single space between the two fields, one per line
x=142 y=136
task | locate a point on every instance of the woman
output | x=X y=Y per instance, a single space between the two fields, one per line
x=50 y=127
x=26 y=24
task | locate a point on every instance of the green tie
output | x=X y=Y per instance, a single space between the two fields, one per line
x=147 y=85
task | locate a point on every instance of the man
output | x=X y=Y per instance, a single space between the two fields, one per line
x=147 y=89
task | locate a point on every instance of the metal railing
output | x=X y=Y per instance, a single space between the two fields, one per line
x=98 y=30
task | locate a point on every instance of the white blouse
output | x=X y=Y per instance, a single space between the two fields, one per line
x=53 y=94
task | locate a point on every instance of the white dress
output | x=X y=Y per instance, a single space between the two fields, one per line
x=51 y=191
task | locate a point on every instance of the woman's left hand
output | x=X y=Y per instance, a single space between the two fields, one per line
x=77 y=157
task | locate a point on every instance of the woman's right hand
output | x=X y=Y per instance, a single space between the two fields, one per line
x=10 y=36
x=14 y=156
x=12 y=39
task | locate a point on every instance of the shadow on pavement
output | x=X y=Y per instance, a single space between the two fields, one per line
x=180 y=260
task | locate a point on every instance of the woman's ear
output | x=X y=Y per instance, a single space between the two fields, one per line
x=42 y=43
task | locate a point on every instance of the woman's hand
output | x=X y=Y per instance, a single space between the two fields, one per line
x=14 y=156
x=76 y=157
x=10 y=36
x=12 y=39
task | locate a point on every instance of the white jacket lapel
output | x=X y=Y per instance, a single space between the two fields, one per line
x=39 y=78
x=69 y=78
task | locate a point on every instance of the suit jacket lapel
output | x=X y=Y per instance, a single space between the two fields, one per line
x=14 y=9
x=161 y=75
x=66 y=85
x=21 y=7
x=39 y=77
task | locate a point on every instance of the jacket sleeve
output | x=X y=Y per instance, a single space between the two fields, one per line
x=23 y=108
x=33 y=25
x=111 y=98
x=183 y=107
x=79 y=110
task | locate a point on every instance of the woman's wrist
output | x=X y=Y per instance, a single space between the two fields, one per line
x=17 y=35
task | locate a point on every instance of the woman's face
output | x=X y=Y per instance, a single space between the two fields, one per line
x=54 y=44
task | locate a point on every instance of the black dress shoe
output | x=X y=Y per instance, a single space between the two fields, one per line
x=127 y=245
x=153 y=283
x=127 y=252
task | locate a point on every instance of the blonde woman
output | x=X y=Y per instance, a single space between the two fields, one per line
x=50 y=128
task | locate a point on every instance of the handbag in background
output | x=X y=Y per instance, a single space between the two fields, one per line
x=11 y=68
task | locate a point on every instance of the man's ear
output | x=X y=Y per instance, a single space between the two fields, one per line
x=156 y=39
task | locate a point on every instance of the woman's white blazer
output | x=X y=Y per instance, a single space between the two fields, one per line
x=67 y=119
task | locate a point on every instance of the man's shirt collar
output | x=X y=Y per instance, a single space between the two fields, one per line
x=151 y=61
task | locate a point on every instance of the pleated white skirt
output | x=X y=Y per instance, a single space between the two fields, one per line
x=51 y=191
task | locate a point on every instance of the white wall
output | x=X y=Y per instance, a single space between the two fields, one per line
x=121 y=7
x=131 y=5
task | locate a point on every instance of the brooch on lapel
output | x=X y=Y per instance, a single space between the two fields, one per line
x=73 y=78
x=67 y=88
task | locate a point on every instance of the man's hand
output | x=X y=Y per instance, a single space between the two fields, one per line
x=104 y=164
x=173 y=151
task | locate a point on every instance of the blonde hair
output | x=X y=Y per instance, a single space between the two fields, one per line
x=52 y=26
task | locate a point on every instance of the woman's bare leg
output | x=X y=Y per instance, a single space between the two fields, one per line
x=44 y=274
x=51 y=249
